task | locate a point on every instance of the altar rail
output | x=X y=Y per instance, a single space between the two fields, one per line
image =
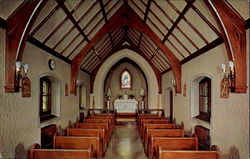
x=160 y=112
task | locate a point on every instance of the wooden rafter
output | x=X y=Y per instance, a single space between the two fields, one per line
x=125 y=16
x=232 y=27
x=133 y=47
x=106 y=19
x=145 y=19
x=19 y=25
x=184 y=11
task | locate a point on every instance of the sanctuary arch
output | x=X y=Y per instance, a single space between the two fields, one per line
x=98 y=91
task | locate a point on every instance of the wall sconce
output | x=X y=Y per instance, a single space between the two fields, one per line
x=173 y=83
x=21 y=71
x=229 y=74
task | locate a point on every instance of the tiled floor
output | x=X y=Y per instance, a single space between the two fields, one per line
x=125 y=143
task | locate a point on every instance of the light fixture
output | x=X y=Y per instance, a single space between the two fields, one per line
x=229 y=74
x=173 y=83
x=21 y=71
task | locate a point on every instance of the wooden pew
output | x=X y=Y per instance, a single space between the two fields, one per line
x=109 y=121
x=156 y=126
x=214 y=153
x=112 y=118
x=171 y=143
x=35 y=152
x=95 y=126
x=150 y=121
x=78 y=142
x=161 y=133
x=89 y=132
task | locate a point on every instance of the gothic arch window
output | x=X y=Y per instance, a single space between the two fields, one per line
x=126 y=80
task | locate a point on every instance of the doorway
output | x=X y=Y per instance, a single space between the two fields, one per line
x=169 y=101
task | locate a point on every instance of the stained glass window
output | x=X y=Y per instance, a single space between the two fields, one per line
x=45 y=96
x=126 y=80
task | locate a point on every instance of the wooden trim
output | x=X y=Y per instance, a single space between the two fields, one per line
x=247 y=24
x=203 y=50
x=3 y=23
x=120 y=19
x=166 y=71
x=188 y=22
x=44 y=20
x=47 y=49
x=19 y=25
x=232 y=27
x=70 y=16
x=181 y=15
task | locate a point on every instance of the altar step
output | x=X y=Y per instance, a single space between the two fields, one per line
x=126 y=115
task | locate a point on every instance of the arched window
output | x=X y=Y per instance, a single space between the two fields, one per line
x=126 y=81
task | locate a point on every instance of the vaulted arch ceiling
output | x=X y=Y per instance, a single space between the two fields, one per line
x=170 y=33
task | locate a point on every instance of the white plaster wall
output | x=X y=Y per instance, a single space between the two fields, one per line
x=146 y=68
x=229 y=126
x=19 y=117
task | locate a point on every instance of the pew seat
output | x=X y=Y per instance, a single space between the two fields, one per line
x=214 y=153
x=35 y=152
x=77 y=142
x=171 y=143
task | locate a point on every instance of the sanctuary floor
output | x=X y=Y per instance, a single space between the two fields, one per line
x=125 y=143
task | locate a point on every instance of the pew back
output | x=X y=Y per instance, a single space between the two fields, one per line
x=172 y=143
x=36 y=153
x=76 y=142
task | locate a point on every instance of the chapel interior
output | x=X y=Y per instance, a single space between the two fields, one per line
x=124 y=79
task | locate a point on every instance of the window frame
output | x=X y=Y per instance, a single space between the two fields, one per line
x=131 y=79
x=206 y=116
x=44 y=115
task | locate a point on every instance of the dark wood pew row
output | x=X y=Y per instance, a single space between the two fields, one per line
x=156 y=126
x=110 y=117
x=150 y=121
x=171 y=143
x=161 y=133
x=144 y=116
x=89 y=132
x=107 y=121
x=95 y=126
x=78 y=142
x=214 y=153
x=35 y=152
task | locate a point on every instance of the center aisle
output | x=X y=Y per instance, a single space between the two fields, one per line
x=125 y=143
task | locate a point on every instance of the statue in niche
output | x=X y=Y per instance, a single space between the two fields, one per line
x=224 y=88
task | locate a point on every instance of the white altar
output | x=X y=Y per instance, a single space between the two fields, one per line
x=126 y=105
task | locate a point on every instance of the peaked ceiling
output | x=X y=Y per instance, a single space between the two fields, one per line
x=66 y=27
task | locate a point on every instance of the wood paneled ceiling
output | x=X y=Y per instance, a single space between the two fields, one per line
x=65 y=27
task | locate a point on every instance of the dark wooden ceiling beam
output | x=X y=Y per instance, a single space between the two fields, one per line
x=188 y=22
x=203 y=50
x=67 y=12
x=126 y=16
x=232 y=27
x=106 y=20
x=19 y=25
x=62 y=22
x=145 y=19
x=44 y=20
x=184 y=11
